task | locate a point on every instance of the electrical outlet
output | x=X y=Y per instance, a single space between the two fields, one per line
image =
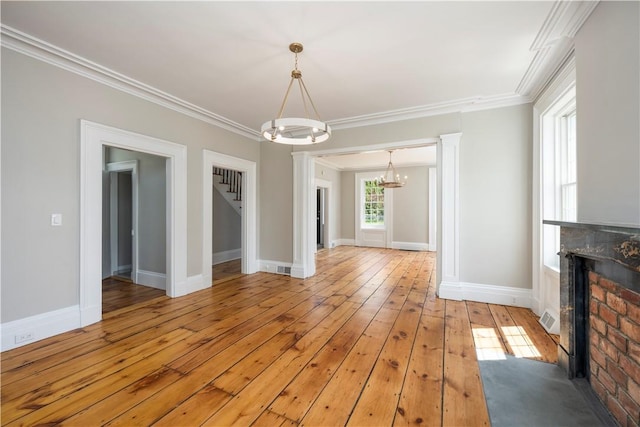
x=27 y=336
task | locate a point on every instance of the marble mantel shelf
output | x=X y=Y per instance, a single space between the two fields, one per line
x=612 y=228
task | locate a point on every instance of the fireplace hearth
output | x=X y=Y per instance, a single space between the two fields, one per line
x=600 y=313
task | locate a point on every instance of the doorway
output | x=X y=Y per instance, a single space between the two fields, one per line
x=227 y=213
x=94 y=138
x=320 y=224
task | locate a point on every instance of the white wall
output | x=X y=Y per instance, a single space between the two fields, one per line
x=607 y=50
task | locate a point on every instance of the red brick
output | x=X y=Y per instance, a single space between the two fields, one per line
x=608 y=315
x=609 y=349
x=616 y=303
x=608 y=284
x=598 y=325
x=617 y=411
x=634 y=391
x=633 y=312
x=607 y=381
x=629 y=405
x=599 y=389
x=630 y=296
x=617 y=339
x=634 y=351
x=593 y=277
x=594 y=368
x=593 y=307
x=631 y=368
x=598 y=357
x=619 y=376
x=630 y=329
x=598 y=293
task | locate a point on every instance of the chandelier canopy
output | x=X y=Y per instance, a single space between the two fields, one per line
x=391 y=179
x=297 y=130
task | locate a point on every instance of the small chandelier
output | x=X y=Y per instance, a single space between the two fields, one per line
x=391 y=179
x=296 y=130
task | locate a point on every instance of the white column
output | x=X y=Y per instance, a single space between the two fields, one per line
x=304 y=205
x=449 y=185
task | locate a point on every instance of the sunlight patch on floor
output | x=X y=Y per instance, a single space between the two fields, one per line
x=488 y=345
x=519 y=341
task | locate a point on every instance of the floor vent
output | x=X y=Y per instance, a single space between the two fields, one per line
x=284 y=270
x=549 y=322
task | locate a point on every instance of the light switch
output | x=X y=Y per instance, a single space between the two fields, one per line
x=56 y=219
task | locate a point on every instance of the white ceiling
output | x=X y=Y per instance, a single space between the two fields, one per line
x=361 y=59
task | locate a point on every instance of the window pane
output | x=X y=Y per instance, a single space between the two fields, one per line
x=373 y=203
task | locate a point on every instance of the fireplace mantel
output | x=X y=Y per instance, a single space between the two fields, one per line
x=604 y=242
x=612 y=251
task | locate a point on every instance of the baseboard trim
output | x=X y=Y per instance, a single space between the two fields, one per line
x=492 y=294
x=40 y=326
x=432 y=247
x=152 y=279
x=220 y=257
x=410 y=246
x=198 y=283
x=268 y=266
x=345 y=242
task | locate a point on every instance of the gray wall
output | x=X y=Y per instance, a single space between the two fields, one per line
x=152 y=207
x=607 y=50
x=495 y=197
x=411 y=206
x=41 y=110
x=227 y=225
x=276 y=207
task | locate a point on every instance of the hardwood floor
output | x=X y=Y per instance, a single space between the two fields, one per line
x=226 y=271
x=364 y=342
x=118 y=293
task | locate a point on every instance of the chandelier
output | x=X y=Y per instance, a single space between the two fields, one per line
x=391 y=179
x=297 y=130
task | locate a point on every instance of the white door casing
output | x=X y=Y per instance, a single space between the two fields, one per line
x=210 y=160
x=93 y=137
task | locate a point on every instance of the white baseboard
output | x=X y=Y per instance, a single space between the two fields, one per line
x=39 y=327
x=152 y=279
x=491 y=294
x=345 y=242
x=410 y=246
x=272 y=266
x=220 y=257
x=432 y=247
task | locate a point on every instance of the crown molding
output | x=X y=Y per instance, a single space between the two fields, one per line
x=39 y=49
x=454 y=106
x=554 y=44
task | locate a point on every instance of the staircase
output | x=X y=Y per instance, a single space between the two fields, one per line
x=230 y=186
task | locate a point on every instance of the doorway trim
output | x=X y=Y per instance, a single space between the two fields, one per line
x=93 y=136
x=448 y=190
x=114 y=168
x=213 y=159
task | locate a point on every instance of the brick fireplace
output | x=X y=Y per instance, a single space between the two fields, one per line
x=600 y=313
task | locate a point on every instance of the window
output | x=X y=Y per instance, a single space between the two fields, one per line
x=373 y=212
x=559 y=187
x=567 y=191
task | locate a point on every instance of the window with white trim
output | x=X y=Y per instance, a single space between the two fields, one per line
x=559 y=186
x=372 y=205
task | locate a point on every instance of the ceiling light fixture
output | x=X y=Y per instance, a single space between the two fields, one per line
x=391 y=179
x=297 y=130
